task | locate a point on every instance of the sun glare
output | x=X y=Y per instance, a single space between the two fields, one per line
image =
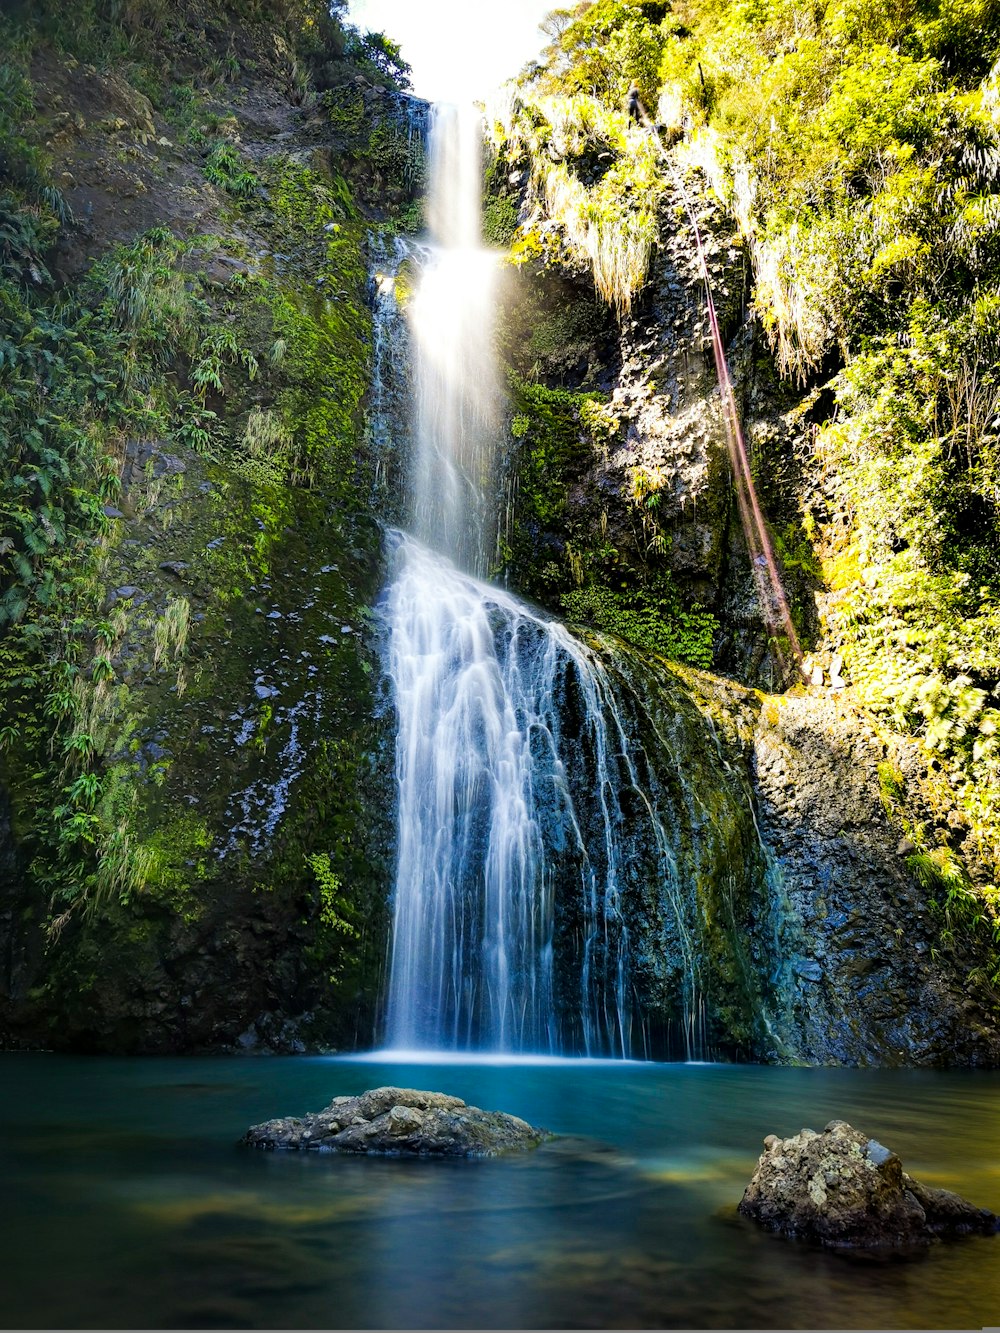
x=460 y=51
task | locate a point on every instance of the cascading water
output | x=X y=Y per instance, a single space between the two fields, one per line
x=512 y=760
x=452 y=482
x=495 y=824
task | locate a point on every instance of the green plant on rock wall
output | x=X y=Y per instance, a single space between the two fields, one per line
x=967 y=913
x=650 y=617
x=551 y=426
x=607 y=217
x=336 y=929
x=500 y=222
x=224 y=167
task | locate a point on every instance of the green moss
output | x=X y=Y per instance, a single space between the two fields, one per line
x=500 y=222
x=651 y=618
x=384 y=158
x=891 y=786
x=554 y=441
x=178 y=860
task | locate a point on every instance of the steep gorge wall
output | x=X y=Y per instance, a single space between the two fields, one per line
x=877 y=913
x=197 y=826
x=200 y=703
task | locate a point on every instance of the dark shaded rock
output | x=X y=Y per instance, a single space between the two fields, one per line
x=400 y=1122
x=841 y=1188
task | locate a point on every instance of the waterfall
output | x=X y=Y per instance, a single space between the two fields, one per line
x=513 y=763
x=452 y=483
x=494 y=818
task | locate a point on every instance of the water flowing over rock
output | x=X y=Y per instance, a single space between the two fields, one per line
x=843 y=1189
x=400 y=1122
x=511 y=764
x=597 y=853
x=507 y=930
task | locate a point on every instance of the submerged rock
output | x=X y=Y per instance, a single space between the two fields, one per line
x=400 y=1122
x=844 y=1189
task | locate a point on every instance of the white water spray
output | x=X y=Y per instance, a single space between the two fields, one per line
x=458 y=415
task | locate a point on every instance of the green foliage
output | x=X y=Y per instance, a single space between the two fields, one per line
x=595 y=175
x=856 y=161
x=500 y=222
x=891 y=786
x=384 y=162
x=262 y=375
x=913 y=459
x=600 y=49
x=332 y=903
x=308 y=202
x=379 y=56
x=138 y=349
x=336 y=919
x=857 y=145
x=31 y=208
x=112 y=32
x=553 y=445
x=650 y=617
x=224 y=167
x=795 y=550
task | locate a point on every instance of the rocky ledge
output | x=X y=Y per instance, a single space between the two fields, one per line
x=400 y=1122
x=842 y=1188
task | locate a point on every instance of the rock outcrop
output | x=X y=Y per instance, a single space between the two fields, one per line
x=400 y=1122
x=841 y=1188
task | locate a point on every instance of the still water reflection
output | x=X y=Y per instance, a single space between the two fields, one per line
x=126 y=1202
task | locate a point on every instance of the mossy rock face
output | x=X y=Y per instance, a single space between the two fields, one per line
x=844 y=941
x=235 y=763
x=196 y=788
x=622 y=513
x=381 y=135
x=698 y=912
x=763 y=914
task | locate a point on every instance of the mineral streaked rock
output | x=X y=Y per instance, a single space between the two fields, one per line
x=400 y=1122
x=844 y=1189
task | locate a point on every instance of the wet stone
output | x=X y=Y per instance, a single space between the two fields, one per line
x=400 y=1122
x=843 y=1189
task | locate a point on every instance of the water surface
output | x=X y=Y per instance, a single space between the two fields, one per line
x=128 y=1203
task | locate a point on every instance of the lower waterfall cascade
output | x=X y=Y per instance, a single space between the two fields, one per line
x=486 y=802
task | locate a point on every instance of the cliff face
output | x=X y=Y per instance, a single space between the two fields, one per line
x=196 y=794
x=198 y=827
x=874 y=473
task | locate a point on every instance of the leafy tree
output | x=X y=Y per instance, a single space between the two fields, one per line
x=380 y=56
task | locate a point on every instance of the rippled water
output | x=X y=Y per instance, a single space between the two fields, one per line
x=127 y=1202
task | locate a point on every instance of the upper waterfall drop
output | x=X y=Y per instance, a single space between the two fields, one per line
x=458 y=400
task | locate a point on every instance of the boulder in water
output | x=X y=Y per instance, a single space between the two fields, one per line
x=844 y=1189
x=400 y=1122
